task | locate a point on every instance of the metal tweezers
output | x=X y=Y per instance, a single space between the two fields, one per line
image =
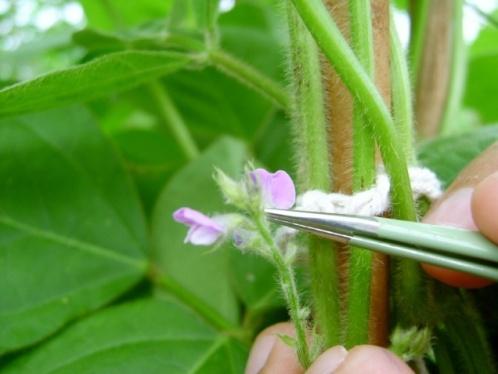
x=453 y=248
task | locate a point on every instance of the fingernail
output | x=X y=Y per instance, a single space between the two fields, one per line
x=329 y=361
x=491 y=177
x=259 y=354
x=337 y=357
x=455 y=210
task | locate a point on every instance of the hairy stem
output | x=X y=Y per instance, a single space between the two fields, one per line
x=363 y=142
x=360 y=260
x=287 y=282
x=409 y=284
x=173 y=120
x=250 y=76
x=310 y=135
x=430 y=48
x=418 y=21
x=332 y=43
x=401 y=95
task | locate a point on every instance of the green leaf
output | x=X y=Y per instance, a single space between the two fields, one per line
x=273 y=143
x=72 y=233
x=487 y=39
x=102 y=76
x=204 y=275
x=447 y=156
x=112 y=14
x=194 y=14
x=151 y=157
x=481 y=88
x=255 y=281
x=98 y=42
x=258 y=25
x=146 y=336
x=486 y=42
x=461 y=343
x=201 y=97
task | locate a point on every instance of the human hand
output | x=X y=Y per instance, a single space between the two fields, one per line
x=270 y=355
x=471 y=202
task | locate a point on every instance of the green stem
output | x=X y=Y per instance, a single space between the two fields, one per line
x=289 y=288
x=408 y=281
x=419 y=13
x=363 y=141
x=401 y=95
x=250 y=76
x=172 y=118
x=211 y=25
x=310 y=136
x=360 y=260
x=354 y=76
x=458 y=72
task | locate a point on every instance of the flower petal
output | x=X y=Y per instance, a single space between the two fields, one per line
x=203 y=235
x=277 y=189
x=282 y=191
x=203 y=229
x=262 y=179
x=191 y=217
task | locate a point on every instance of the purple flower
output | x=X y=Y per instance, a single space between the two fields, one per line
x=203 y=230
x=277 y=188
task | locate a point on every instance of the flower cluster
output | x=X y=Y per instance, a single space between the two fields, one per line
x=257 y=190
x=250 y=230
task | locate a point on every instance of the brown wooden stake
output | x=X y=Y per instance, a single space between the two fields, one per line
x=434 y=76
x=379 y=302
x=339 y=110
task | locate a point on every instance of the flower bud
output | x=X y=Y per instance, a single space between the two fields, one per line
x=233 y=192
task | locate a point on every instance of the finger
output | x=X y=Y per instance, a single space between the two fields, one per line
x=485 y=207
x=282 y=360
x=459 y=195
x=328 y=361
x=478 y=170
x=455 y=209
x=369 y=359
x=264 y=344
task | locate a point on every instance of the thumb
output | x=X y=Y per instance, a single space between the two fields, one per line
x=366 y=359
x=469 y=203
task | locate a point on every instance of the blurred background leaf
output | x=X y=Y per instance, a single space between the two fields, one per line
x=447 y=156
x=117 y=14
x=481 y=88
x=194 y=187
x=145 y=336
x=72 y=232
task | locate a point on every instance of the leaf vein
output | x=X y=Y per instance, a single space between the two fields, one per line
x=77 y=244
x=216 y=344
